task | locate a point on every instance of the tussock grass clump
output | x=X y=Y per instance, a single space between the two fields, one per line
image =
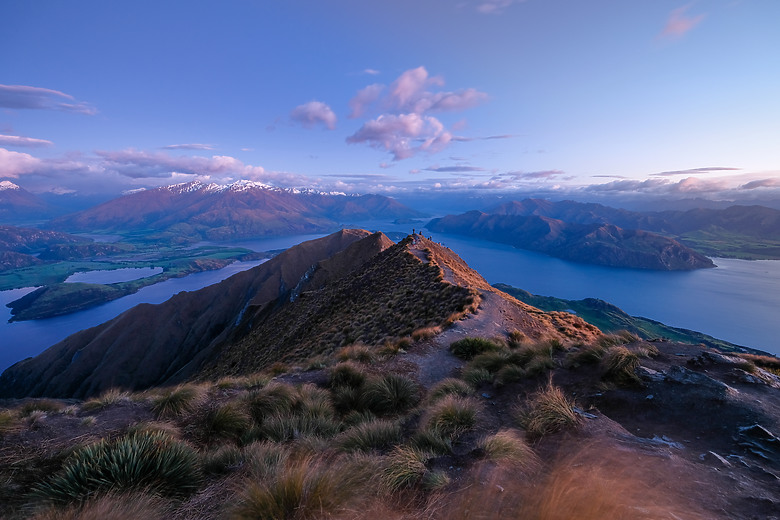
x=432 y=441
x=425 y=332
x=154 y=426
x=346 y=374
x=646 y=350
x=405 y=467
x=112 y=506
x=450 y=386
x=305 y=488
x=586 y=355
x=451 y=416
x=226 y=421
x=547 y=411
x=222 y=460
x=356 y=352
x=263 y=459
x=507 y=446
x=510 y=374
x=516 y=338
x=467 y=348
x=768 y=363
x=491 y=361
x=477 y=376
x=8 y=423
x=391 y=394
x=39 y=405
x=378 y=434
x=619 y=366
x=152 y=462
x=274 y=399
x=109 y=397
x=177 y=401
x=282 y=428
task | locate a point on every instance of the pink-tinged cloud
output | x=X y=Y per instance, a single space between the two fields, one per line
x=371 y=72
x=403 y=135
x=761 y=183
x=313 y=113
x=411 y=93
x=687 y=187
x=679 y=23
x=188 y=146
x=364 y=99
x=26 y=97
x=14 y=164
x=27 y=142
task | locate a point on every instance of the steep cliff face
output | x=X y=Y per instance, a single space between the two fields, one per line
x=594 y=243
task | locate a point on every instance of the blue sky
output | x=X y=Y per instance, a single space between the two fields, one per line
x=648 y=97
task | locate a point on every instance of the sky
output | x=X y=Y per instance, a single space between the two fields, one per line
x=563 y=98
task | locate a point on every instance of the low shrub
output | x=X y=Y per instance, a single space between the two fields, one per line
x=451 y=416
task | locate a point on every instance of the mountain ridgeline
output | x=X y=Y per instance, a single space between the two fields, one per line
x=351 y=286
x=195 y=211
x=594 y=243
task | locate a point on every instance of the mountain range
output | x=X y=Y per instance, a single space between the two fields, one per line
x=222 y=212
x=594 y=243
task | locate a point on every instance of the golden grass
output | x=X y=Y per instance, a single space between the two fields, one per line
x=547 y=411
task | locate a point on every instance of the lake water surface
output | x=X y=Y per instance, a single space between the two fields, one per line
x=125 y=274
x=739 y=301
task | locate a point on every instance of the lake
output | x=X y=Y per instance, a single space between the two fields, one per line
x=738 y=301
x=125 y=274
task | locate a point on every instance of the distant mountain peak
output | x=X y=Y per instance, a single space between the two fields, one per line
x=242 y=185
x=8 y=185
